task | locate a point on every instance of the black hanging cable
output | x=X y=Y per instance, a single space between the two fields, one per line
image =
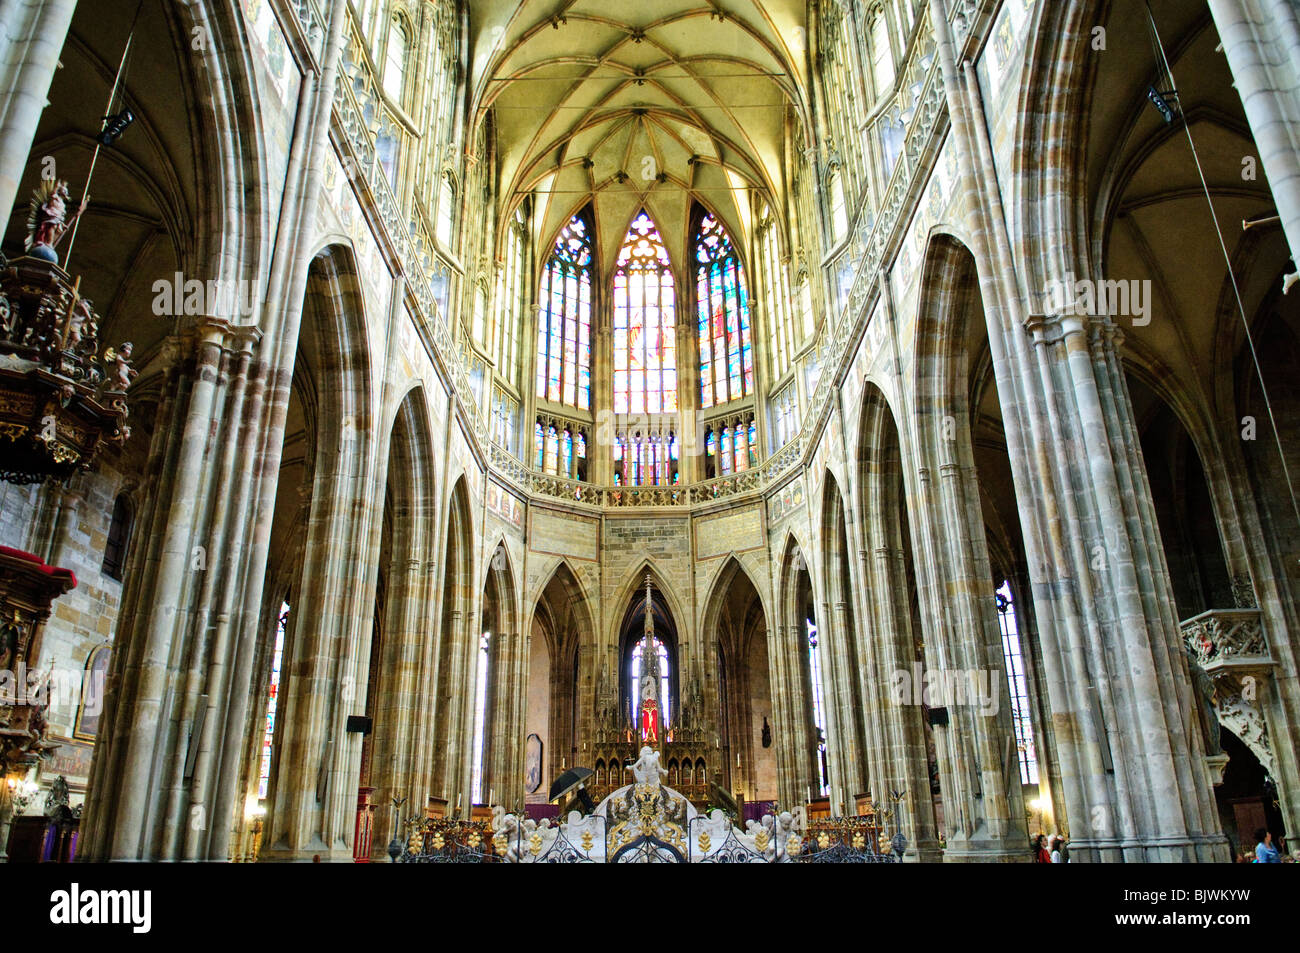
x=112 y=127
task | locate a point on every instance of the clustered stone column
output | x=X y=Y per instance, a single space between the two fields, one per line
x=1132 y=775
x=166 y=766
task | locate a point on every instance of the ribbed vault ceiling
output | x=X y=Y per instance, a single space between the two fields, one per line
x=630 y=104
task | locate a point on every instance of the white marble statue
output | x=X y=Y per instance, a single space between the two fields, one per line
x=649 y=688
x=647 y=769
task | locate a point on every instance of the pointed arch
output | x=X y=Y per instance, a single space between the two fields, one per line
x=563 y=589
x=560 y=621
x=737 y=628
x=904 y=753
x=843 y=657
x=401 y=658
x=456 y=644
x=799 y=748
x=727 y=574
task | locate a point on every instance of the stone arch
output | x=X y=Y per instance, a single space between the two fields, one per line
x=633 y=581
x=736 y=625
x=670 y=627
x=561 y=622
x=844 y=653
x=453 y=723
x=507 y=660
x=330 y=646
x=801 y=768
x=397 y=697
x=905 y=753
x=179 y=174
x=984 y=811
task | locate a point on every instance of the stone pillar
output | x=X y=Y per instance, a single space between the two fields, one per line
x=189 y=623
x=32 y=39
x=1261 y=39
x=1130 y=771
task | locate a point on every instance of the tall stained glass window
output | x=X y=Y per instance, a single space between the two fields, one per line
x=480 y=718
x=665 y=706
x=819 y=717
x=273 y=693
x=396 y=60
x=1017 y=684
x=564 y=325
x=645 y=324
x=726 y=352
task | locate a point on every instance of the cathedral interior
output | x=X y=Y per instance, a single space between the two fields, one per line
x=412 y=409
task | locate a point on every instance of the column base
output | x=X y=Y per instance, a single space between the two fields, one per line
x=341 y=854
x=1185 y=849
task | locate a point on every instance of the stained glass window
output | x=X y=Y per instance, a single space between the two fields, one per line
x=882 y=57
x=730 y=448
x=645 y=324
x=564 y=325
x=268 y=735
x=819 y=718
x=776 y=298
x=786 y=408
x=726 y=352
x=399 y=51
x=561 y=451
x=506 y=330
x=646 y=460
x=480 y=718
x=1017 y=684
x=666 y=707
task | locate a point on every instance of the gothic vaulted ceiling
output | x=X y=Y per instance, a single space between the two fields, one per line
x=627 y=104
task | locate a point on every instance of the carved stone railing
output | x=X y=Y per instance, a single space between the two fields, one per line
x=1232 y=648
x=1228 y=638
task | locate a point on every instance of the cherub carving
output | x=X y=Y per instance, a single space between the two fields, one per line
x=119 y=372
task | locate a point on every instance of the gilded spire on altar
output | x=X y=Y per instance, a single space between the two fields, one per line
x=653 y=730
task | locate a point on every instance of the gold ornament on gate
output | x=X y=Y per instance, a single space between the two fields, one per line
x=705 y=842
x=761 y=839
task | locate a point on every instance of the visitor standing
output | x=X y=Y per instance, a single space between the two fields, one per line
x=1265 y=852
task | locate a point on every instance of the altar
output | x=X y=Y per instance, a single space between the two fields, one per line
x=647 y=822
